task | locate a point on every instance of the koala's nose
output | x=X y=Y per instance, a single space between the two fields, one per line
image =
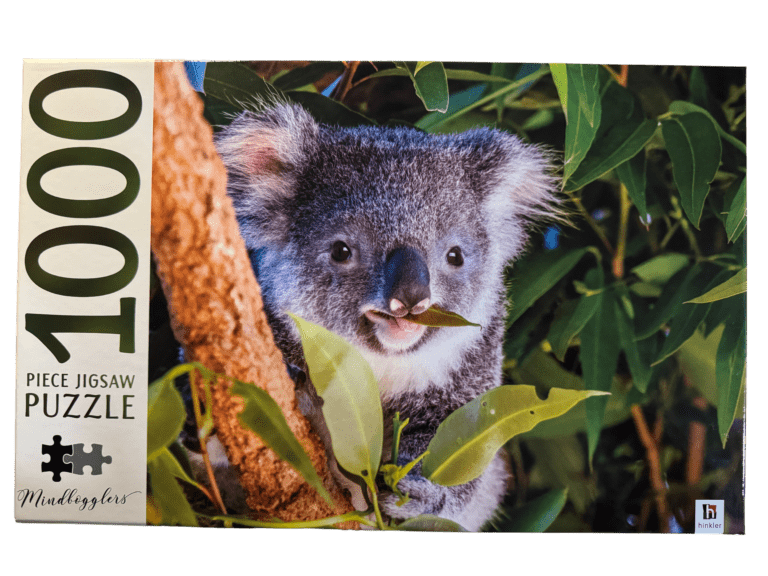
x=406 y=282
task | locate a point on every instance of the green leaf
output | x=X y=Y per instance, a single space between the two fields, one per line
x=543 y=371
x=238 y=85
x=568 y=323
x=166 y=492
x=438 y=317
x=430 y=82
x=683 y=286
x=560 y=77
x=632 y=174
x=309 y=74
x=736 y=284
x=450 y=73
x=467 y=441
x=681 y=107
x=730 y=371
x=165 y=416
x=263 y=416
x=327 y=110
x=599 y=354
x=737 y=212
x=661 y=268
x=622 y=134
x=639 y=367
x=535 y=276
x=685 y=322
x=429 y=523
x=536 y=515
x=694 y=146
x=472 y=98
x=583 y=111
x=351 y=404
x=175 y=468
x=585 y=87
x=698 y=357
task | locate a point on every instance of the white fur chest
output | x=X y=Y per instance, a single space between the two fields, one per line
x=431 y=364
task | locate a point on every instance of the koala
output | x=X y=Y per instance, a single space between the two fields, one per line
x=356 y=228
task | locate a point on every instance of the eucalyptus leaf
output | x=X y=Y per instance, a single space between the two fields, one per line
x=240 y=86
x=166 y=492
x=632 y=174
x=351 y=404
x=263 y=416
x=536 y=276
x=543 y=371
x=660 y=269
x=639 y=367
x=560 y=77
x=327 y=110
x=536 y=515
x=730 y=371
x=685 y=322
x=467 y=441
x=438 y=317
x=737 y=212
x=622 y=135
x=309 y=74
x=599 y=355
x=682 y=107
x=165 y=416
x=175 y=468
x=450 y=74
x=429 y=523
x=566 y=327
x=430 y=82
x=694 y=146
x=473 y=98
x=736 y=284
x=683 y=286
x=583 y=111
x=585 y=88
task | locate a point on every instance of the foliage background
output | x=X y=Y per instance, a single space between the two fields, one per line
x=658 y=219
x=659 y=32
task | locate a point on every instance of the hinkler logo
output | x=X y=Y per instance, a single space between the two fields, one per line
x=710 y=517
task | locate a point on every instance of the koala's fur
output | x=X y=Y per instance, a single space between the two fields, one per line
x=299 y=187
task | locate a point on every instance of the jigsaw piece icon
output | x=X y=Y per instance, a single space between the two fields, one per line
x=77 y=459
x=56 y=464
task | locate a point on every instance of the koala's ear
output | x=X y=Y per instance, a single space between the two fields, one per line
x=522 y=191
x=263 y=154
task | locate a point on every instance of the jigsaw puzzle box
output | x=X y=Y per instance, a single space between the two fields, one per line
x=382 y=295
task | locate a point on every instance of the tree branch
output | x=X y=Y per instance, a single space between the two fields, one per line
x=215 y=302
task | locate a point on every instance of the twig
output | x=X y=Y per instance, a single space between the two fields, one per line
x=345 y=83
x=203 y=438
x=624 y=76
x=613 y=73
x=591 y=221
x=621 y=242
x=652 y=455
x=697 y=440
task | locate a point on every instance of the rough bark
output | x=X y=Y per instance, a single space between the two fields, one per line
x=215 y=301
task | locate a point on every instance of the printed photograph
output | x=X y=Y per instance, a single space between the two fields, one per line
x=448 y=296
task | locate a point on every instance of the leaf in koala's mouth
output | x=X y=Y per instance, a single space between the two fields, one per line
x=437 y=318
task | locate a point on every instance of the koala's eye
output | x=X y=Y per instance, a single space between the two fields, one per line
x=454 y=257
x=340 y=252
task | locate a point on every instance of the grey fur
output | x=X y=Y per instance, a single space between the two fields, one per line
x=298 y=187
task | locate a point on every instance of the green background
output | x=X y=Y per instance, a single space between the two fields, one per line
x=645 y=33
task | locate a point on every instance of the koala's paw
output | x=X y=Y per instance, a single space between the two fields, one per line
x=424 y=497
